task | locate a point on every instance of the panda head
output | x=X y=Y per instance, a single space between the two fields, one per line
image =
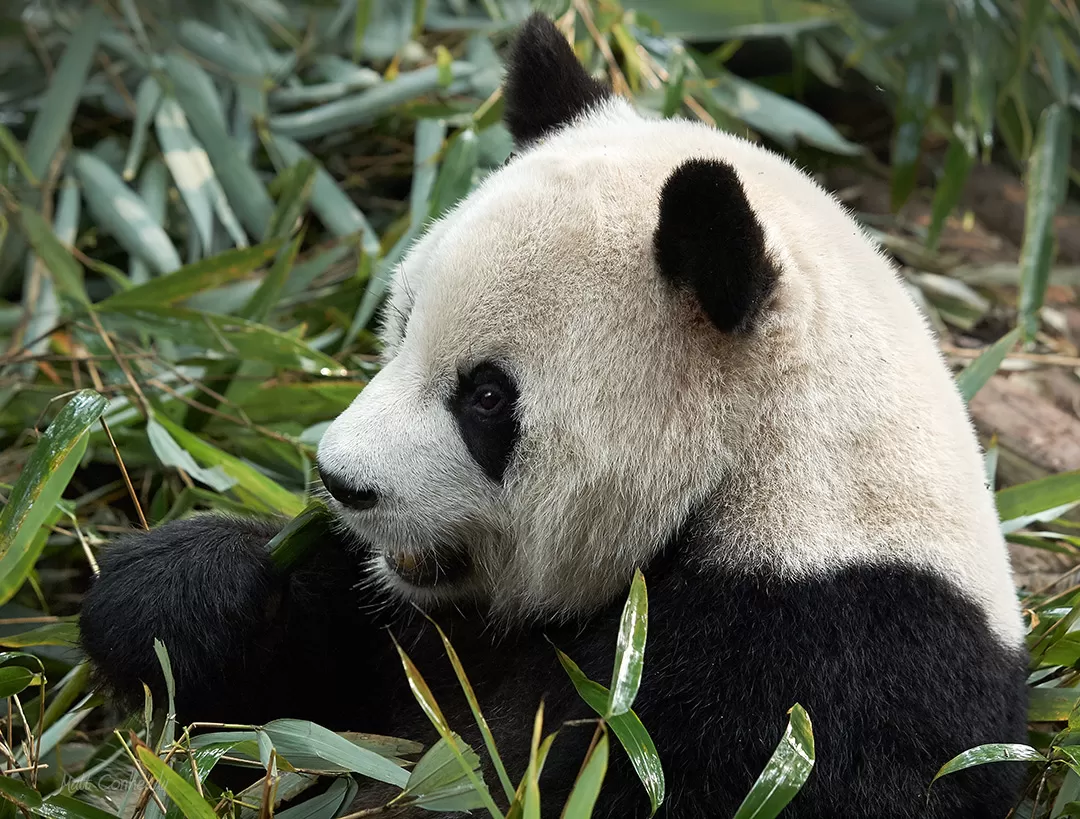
x=632 y=321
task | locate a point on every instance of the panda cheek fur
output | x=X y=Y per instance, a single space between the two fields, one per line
x=709 y=241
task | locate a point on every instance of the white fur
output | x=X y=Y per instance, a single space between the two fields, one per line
x=832 y=435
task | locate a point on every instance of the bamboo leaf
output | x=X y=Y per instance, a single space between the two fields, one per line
x=630 y=649
x=1046 y=179
x=227 y=336
x=587 y=786
x=984 y=754
x=67 y=274
x=147 y=100
x=123 y=214
x=10 y=147
x=975 y=375
x=179 y=791
x=627 y=728
x=195 y=278
x=46 y=474
x=364 y=108
x=1040 y=495
x=786 y=771
x=53 y=120
x=249 y=484
x=308 y=746
x=198 y=98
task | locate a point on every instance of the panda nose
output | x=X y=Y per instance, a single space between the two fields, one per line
x=354 y=497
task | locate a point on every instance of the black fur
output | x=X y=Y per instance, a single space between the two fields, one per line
x=897 y=671
x=709 y=240
x=545 y=86
x=490 y=436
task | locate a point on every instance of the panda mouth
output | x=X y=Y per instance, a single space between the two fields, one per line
x=438 y=567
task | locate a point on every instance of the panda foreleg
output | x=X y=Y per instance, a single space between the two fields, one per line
x=244 y=642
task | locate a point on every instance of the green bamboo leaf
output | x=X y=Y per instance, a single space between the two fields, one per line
x=47 y=472
x=326 y=805
x=295 y=186
x=587 y=787
x=455 y=178
x=147 y=99
x=975 y=375
x=179 y=791
x=52 y=634
x=331 y=204
x=627 y=728
x=10 y=147
x=994 y=752
x=531 y=803
x=172 y=454
x=959 y=160
x=785 y=120
x=270 y=289
x=250 y=484
x=19 y=792
x=14 y=678
x=786 y=771
x=301 y=537
x=674 y=88
x=121 y=212
x=17 y=565
x=1052 y=704
x=196 y=94
x=1046 y=181
x=630 y=649
x=307 y=746
x=227 y=336
x=195 y=278
x=219 y=48
x=53 y=121
x=1037 y=496
x=189 y=166
x=154 y=191
x=438 y=781
x=478 y=715
x=918 y=98
x=67 y=807
x=316 y=401
x=364 y=108
x=431 y=709
x=67 y=273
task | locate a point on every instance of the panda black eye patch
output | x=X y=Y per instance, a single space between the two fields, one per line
x=485 y=408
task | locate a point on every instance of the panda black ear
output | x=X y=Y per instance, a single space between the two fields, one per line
x=710 y=241
x=546 y=87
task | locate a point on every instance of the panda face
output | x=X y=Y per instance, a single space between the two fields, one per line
x=526 y=440
x=633 y=322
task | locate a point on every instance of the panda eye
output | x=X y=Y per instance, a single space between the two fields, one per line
x=488 y=399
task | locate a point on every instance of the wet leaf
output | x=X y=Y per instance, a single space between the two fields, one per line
x=786 y=771
x=984 y=754
x=47 y=472
x=630 y=649
x=627 y=728
x=307 y=746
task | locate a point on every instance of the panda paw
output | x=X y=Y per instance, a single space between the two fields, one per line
x=204 y=587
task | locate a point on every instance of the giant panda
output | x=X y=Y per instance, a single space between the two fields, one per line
x=648 y=344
